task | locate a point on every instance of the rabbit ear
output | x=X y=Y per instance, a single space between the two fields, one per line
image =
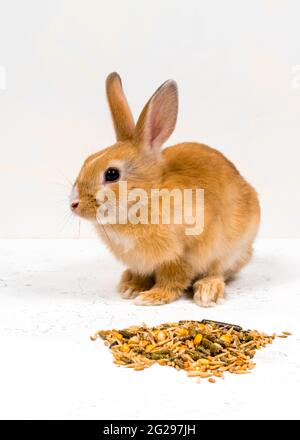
x=158 y=118
x=120 y=111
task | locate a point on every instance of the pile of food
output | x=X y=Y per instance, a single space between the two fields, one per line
x=204 y=349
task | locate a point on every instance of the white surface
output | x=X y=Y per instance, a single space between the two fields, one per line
x=236 y=64
x=55 y=294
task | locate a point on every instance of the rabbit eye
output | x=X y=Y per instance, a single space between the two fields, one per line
x=111 y=175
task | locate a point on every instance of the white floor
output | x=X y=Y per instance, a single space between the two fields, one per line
x=54 y=294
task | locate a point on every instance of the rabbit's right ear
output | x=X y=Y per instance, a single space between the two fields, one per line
x=158 y=118
x=121 y=114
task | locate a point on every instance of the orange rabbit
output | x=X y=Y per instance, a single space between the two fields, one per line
x=162 y=260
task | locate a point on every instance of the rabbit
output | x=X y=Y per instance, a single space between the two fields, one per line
x=163 y=261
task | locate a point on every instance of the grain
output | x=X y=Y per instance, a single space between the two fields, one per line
x=205 y=349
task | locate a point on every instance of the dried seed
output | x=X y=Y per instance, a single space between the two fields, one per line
x=149 y=347
x=226 y=338
x=113 y=344
x=125 y=348
x=203 y=361
x=198 y=339
x=126 y=334
x=118 y=336
x=161 y=336
x=182 y=332
x=196 y=373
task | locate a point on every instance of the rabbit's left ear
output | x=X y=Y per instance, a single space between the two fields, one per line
x=158 y=118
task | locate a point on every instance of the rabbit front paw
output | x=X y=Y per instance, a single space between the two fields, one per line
x=209 y=291
x=156 y=297
x=132 y=285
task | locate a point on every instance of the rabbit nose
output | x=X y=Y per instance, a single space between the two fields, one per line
x=74 y=205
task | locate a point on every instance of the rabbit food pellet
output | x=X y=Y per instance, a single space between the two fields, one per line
x=204 y=349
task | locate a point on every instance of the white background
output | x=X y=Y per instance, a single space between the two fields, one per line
x=236 y=66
